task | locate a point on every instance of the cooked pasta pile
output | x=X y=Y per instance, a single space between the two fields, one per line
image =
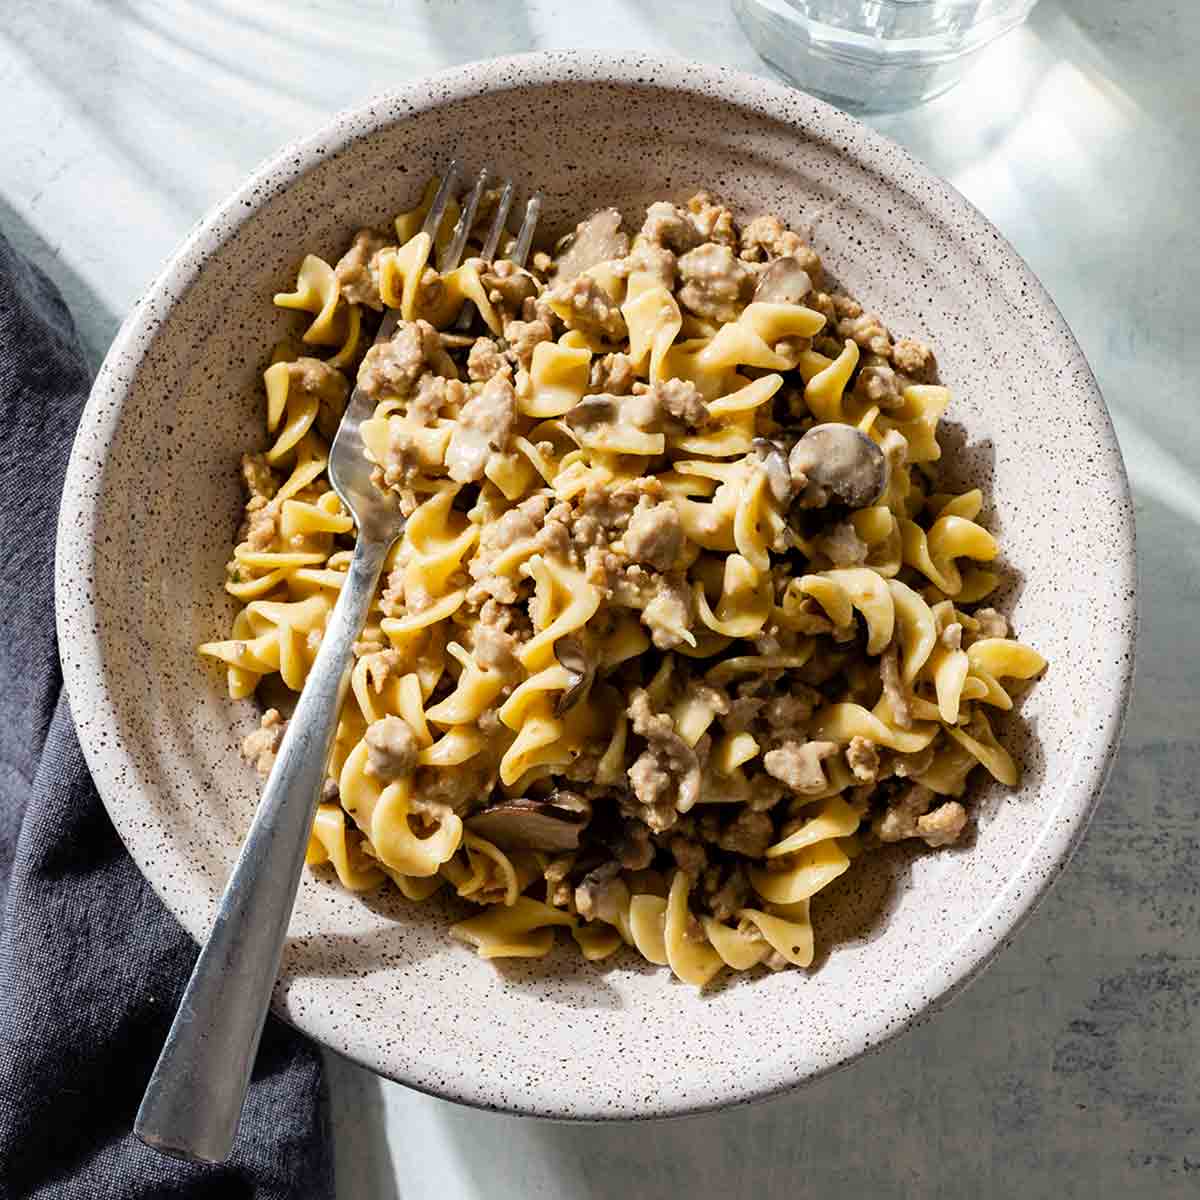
x=681 y=621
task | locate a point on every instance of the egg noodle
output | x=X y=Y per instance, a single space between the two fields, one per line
x=680 y=622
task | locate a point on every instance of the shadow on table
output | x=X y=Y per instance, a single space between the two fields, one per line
x=362 y=1163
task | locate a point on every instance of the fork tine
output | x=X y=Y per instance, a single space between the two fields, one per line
x=533 y=210
x=492 y=242
x=437 y=209
x=458 y=242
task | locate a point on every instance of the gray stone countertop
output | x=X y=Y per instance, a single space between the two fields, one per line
x=1070 y=1068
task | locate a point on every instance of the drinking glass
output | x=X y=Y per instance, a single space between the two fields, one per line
x=874 y=55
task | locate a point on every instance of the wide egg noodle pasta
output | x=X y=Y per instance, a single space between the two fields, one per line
x=318 y=294
x=382 y=813
x=793 y=658
x=524 y=929
x=332 y=843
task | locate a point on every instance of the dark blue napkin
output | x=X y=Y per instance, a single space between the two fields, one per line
x=91 y=963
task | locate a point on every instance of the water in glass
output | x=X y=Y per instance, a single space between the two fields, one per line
x=876 y=54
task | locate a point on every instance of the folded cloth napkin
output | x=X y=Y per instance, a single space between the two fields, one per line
x=91 y=963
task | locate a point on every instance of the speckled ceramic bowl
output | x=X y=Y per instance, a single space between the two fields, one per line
x=152 y=501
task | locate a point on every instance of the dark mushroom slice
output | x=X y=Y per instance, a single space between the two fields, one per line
x=775 y=464
x=572 y=654
x=596 y=239
x=527 y=824
x=592 y=410
x=785 y=281
x=841 y=460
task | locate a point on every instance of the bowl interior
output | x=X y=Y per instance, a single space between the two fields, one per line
x=153 y=502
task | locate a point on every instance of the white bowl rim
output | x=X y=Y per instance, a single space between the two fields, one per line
x=78 y=627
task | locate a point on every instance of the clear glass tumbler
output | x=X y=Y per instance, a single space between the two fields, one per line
x=873 y=55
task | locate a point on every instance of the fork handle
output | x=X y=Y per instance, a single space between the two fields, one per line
x=194 y=1099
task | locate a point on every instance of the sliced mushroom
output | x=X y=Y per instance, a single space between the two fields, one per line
x=572 y=655
x=785 y=281
x=775 y=464
x=527 y=824
x=592 y=410
x=839 y=459
x=596 y=239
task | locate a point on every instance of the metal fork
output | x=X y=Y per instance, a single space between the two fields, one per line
x=194 y=1099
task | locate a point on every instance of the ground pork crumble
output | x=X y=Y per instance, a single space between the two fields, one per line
x=719 y=694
